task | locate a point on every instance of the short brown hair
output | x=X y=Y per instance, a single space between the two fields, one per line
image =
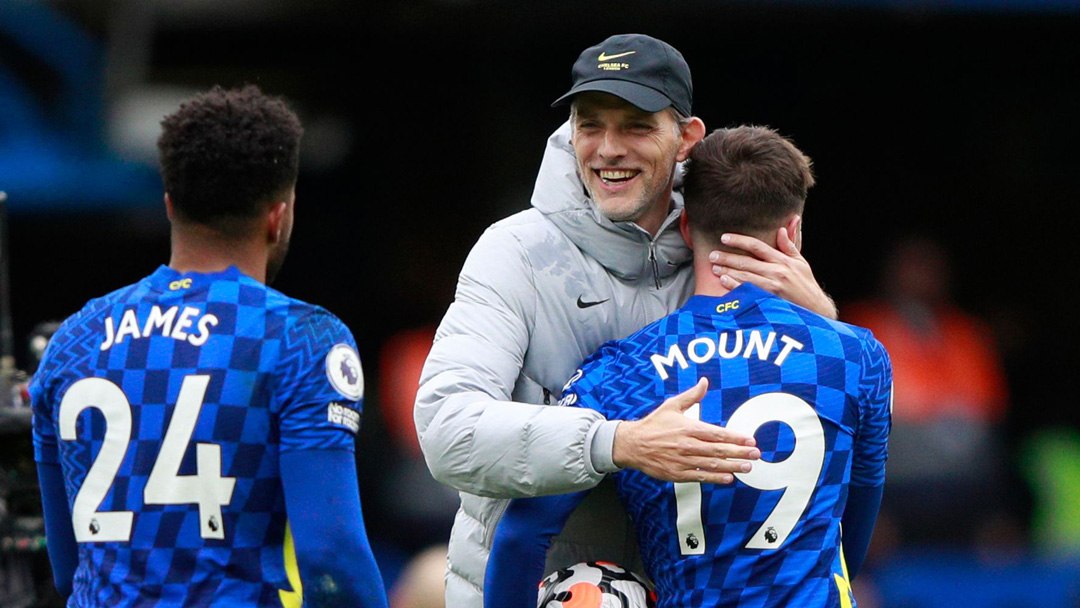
x=746 y=179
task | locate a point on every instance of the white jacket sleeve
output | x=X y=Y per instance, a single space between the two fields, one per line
x=474 y=438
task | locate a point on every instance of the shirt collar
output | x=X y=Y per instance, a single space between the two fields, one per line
x=741 y=298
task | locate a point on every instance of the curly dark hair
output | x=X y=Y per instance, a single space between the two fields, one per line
x=227 y=153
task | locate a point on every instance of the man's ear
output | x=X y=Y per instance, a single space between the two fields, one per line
x=794 y=230
x=691 y=135
x=275 y=222
x=169 y=212
x=684 y=229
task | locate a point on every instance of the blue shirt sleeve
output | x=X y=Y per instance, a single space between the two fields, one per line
x=320 y=385
x=46 y=449
x=522 y=538
x=59 y=536
x=588 y=386
x=875 y=416
x=868 y=455
x=857 y=524
x=322 y=499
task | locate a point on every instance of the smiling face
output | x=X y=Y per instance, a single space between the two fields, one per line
x=627 y=157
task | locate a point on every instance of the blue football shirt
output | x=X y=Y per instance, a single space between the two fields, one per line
x=168 y=403
x=816 y=394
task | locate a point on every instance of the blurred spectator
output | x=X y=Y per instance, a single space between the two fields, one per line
x=422 y=584
x=946 y=469
x=400 y=362
x=420 y=509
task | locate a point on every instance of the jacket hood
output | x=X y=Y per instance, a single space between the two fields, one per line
x=621 y=247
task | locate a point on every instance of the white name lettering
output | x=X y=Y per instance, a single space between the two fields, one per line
x=703 y=348
x=661 y=363
x=183 y=323
x=160 y=323
x=157 y=319
x=129 y=326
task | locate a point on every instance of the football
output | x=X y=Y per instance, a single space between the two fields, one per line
x=594 y=585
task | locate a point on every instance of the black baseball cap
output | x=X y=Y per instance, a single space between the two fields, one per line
x=644 y=71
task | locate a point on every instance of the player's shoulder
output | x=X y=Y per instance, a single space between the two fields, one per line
x=871 y=351
x=595 y=372
x=313 y=333
x=307 y=322
x=79 y=335
x=654 y=332
x=614 y=369
x=629 y=350
x=856 y=342
x=301 y=313
x=862 y=334
x=73 y=327
x=607 y=352
x=805 y=316
x=616 y=356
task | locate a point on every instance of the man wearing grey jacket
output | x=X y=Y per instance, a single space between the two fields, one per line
x=542 y=289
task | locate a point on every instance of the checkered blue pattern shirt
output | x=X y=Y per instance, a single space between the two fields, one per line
x=251 y=372
x=816 y=394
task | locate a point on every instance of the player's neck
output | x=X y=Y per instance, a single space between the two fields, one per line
x=200 y=250
x=705 y=282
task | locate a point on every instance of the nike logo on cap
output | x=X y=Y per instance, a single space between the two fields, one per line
x=583 y=304
x=604 y=57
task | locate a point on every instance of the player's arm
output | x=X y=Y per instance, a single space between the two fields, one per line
x=520 y=546
x=782 y=271
x=59 y=535
x=869 y=453
x=857 y=524
x=317 y=400
x=337 y=566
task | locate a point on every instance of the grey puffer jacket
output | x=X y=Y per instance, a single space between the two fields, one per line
x=540 y=291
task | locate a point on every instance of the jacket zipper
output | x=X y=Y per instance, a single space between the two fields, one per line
x=655 y=266
x=672 y=217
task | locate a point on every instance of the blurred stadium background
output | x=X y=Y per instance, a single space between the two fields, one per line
x=954 y=121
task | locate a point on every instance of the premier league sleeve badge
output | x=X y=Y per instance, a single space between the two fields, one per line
x=344 y=372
